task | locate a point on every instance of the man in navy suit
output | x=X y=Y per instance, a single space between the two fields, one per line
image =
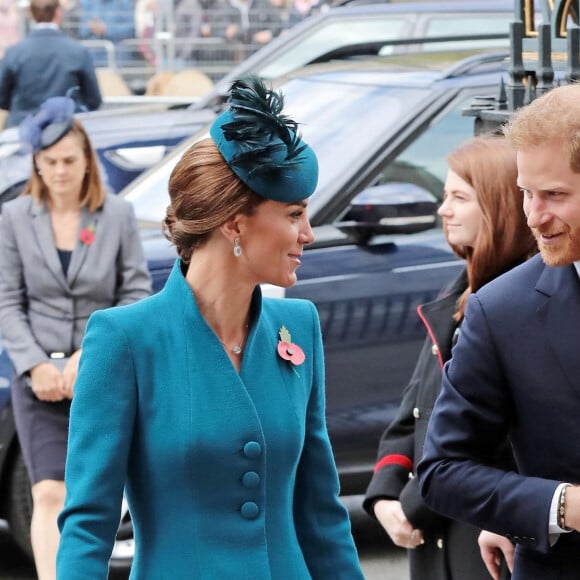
x=515 y=371
x=46 y=64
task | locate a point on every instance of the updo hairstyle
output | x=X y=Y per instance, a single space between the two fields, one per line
x=205 y=193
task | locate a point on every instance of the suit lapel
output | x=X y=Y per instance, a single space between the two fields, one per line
x=560 y=315
x=42 y=228
x=79 y=255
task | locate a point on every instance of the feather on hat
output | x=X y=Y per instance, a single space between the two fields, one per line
x=49 y=125
x=262 y=146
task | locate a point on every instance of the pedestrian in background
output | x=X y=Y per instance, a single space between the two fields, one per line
x=484 y=224
x=515 y=369
x=66 y=250
x=208 y=398
x=108 y=21
x=9 y=25
x=46 y=64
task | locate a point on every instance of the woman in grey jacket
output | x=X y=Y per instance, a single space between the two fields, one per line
x=66 y=250
x=483 y=223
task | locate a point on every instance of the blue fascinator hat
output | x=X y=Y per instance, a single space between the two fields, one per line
x=262 y=146
x=49 y=125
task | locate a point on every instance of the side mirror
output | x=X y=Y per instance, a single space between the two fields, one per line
x=392 y=208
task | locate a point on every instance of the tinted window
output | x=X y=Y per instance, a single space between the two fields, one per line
x=424 y=162
x=331 y=36
x=465 y=25
x=326 y=111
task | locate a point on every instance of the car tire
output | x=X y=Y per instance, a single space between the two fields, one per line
x=20 y=504
x=19 y=514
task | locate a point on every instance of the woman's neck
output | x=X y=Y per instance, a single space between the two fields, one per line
x=222 y=298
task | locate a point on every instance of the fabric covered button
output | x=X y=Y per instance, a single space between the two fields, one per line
x=250 y=510
x=252 y=449
x=251 y=479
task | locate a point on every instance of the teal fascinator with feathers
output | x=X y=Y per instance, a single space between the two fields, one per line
x=262 y=146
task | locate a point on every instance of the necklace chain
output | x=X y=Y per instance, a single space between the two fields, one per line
x=237 y=348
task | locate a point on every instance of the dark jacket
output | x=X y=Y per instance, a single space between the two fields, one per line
x=46 y=64
x=519 y=346
x=450 y=550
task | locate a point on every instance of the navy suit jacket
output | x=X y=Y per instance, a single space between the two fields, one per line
x=46 y=64
x=515 y=372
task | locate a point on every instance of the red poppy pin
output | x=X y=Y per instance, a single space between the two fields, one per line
x=87 y=235
x=290 y=351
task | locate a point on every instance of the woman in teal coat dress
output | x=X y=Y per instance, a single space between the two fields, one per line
x=205 y=402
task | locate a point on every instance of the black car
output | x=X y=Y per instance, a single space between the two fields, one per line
x=131 y=139
x=381 y=133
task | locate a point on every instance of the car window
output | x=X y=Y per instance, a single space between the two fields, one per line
x=322 y=108
x=333 y=35
x=424 y=162
x=454 y=25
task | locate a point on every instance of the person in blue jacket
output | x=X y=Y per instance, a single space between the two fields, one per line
x=107 y=23
x=45 y=64
x=515 y=369
x=205 y=402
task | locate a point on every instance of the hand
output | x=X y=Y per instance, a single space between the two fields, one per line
x=47 y=382
x=491 y=547
x=231 y=31
x=97 y=27
x=390 y=515
x=572 y=507
x=263 y=37
x=70 y=373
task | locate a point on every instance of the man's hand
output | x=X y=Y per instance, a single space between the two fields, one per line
x=492 y=546
x=572 y=507
x=97 y=27
x=391 y=517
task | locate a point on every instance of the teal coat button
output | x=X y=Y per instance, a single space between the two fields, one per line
x=251 y=479
x=252 y=449
x=250 y=510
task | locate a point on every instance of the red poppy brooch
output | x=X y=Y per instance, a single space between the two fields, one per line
x=87 y=235
x=290 y=351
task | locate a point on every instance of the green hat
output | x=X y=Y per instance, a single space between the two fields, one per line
x=262 y=146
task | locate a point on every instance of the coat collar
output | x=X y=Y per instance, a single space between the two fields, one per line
x=437 y=316
x=178 y=294
x=42 y=229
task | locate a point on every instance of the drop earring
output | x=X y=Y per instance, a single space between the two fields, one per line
x=237 y=248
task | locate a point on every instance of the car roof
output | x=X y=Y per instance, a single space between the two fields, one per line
x=415 y=10
x=414 y=72
x=435 y=86
x=428 y=6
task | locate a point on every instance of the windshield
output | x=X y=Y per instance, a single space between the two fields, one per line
x=325 y=111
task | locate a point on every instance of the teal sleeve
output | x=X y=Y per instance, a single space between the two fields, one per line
x=322 y=521
x=101 y=425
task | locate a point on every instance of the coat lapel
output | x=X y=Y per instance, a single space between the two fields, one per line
x=560 y=315
x=88 y=220
x=42 y=229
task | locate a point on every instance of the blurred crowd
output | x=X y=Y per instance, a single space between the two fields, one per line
x=123 y=32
